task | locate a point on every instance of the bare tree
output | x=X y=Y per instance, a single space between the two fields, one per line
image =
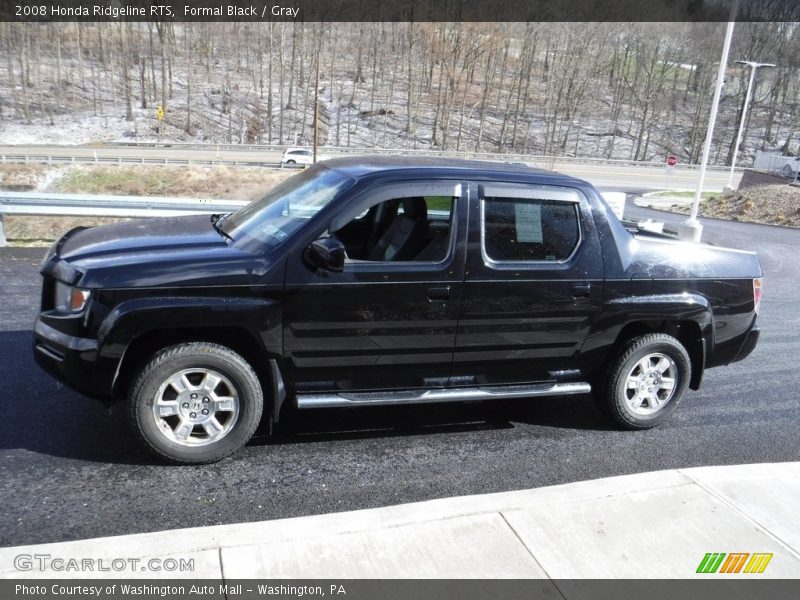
x=612 y=89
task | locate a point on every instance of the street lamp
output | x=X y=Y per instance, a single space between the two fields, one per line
x=316 y=104
x=691 y=229
x=753 y=66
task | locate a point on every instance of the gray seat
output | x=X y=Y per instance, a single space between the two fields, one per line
x=407 y=234
x=436 y=249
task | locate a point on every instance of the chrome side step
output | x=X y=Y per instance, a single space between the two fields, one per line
x=492 y=392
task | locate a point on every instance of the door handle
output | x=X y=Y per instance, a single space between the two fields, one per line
x=581 y=290
x=439 y=293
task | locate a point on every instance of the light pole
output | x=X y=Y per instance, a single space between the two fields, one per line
x=316 y=107
x=690 y=229
x=753 y=66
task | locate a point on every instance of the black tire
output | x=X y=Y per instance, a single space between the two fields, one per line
x=615 y=397
x=788 y=171
x=238 y=382
x=290 y=162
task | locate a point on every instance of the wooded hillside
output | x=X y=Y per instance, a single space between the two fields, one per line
x=617 y=90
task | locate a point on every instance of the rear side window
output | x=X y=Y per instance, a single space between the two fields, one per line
x=529 y=229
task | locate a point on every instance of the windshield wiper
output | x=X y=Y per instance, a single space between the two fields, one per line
x=217 y=220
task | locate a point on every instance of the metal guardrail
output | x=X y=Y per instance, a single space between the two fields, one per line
x=34 y=203
x=50 y=159
x=493 y=156
x=256 y=161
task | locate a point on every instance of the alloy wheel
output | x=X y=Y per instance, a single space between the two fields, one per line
x=196 y=407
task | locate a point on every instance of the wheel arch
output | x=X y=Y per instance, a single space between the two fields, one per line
x=686 y=317
x=687 y=332
x=142 y=348
x=137 y=329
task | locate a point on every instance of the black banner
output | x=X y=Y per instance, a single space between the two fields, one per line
x=398 y=10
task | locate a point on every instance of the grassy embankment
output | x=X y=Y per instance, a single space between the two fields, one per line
x=186 y=182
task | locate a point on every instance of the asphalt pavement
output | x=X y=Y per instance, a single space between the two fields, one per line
x=70 y=470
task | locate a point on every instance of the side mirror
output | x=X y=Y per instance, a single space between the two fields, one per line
x=326 y=254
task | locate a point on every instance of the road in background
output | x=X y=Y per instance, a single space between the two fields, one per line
x=642 y=177
x=70 y=470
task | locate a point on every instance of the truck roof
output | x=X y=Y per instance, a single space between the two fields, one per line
x=363 y=166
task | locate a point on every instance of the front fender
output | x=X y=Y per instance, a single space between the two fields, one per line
x=132 y=318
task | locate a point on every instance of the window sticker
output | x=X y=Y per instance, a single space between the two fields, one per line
x=528 y=222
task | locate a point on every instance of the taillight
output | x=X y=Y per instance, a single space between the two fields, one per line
x=757 y=293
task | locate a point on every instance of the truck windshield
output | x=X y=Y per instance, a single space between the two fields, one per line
x=285 y=208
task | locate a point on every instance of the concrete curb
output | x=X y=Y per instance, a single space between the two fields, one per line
x=649 y=525
x=665 y=203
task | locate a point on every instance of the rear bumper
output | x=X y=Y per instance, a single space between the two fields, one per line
x=71 y=360
x=749 y=344
x=735 y=349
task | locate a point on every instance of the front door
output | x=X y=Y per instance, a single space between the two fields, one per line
x=388 y=321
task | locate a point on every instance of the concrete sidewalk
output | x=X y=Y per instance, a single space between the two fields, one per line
x=650 y=525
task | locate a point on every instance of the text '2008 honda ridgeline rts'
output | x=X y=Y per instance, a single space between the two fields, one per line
x=387 y=281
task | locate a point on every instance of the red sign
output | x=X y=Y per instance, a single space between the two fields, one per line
x=672 y=160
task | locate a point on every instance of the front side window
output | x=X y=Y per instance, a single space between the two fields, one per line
x=529 y=229
x=401 y=222
x=412 y=228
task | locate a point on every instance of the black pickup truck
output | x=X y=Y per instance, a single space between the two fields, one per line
x=366 y=281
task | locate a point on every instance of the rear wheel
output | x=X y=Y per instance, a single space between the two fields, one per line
x=646 y=381
x=195 y=403
x=788 y=171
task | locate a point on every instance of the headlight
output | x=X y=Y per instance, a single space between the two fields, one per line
x=70 y=299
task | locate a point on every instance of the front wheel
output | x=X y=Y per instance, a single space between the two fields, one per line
x=646 y=381
x=788 y=171
x=195 y=403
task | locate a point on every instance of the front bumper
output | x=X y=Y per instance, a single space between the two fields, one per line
x=71 y=360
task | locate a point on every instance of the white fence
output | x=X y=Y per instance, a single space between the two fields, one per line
x=772 y=162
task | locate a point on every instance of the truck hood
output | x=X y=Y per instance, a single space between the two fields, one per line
x=154 y=252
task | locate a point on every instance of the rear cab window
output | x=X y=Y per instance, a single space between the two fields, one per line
x=529 y=223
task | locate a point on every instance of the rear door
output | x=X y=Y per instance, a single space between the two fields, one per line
x=533 y=284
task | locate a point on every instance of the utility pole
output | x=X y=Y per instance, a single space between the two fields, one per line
x=690 y=229
x=316 y=108
x=753 y=66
